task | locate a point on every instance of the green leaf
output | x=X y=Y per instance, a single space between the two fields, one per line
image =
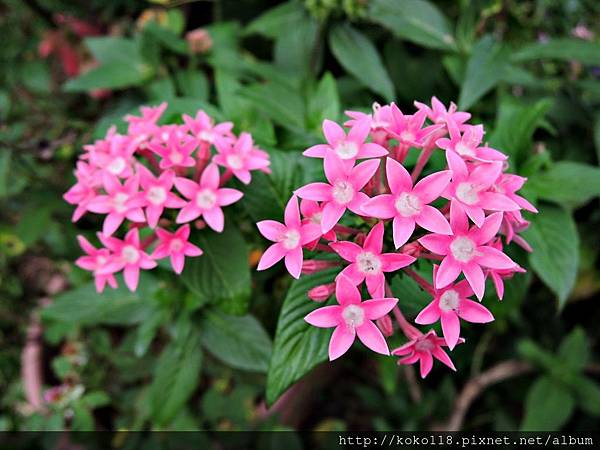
x=417 y=21
x=167 y=38
x=221 y=275
x=566 y=182
x=324 y=102
x=298 y=346
x=108 y=49
x=574 y=350
x=278 y=20
x=359 y=57
x=176 y=376
x=411 y=298
x=192 y=84
x=111 y=75
x=587 y=393
x=597 y=136
x=563 y=49
x=548 y=406
x=277 y=102
x=239 y=341
x=555 y=257
x=485 y=69
x=294 y=49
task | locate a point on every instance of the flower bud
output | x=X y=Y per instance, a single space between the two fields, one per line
x=385 y=325
x=316 y=265
x=322 y=292
x=199 y=40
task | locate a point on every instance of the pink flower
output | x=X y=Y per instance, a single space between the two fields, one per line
x=449 y=304
x=513 y=223
x=408 y=129
x=379 y=121
x=143 y=128
x=313 y=213
x=368 y=263
x=471 y=189
x=157 y=193
x=206 y=198
x=439 y=114
x=289 y=239
x=176 y=246
x=498 y=276
x=205 y=131
x=113 y=154
x=343 y=190
x=120 y=202
x=423 y=348
x=85 y=190
x=409 y=205
x=129 y=256
x=241 y=157
x=467 y=144
x=508 y=184
x=352 y=317
x=466 y=250
x=99 y=261
x=176 y=152
x=347 y=148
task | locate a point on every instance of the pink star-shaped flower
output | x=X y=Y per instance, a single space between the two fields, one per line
x=312 y=212
x=467 y=144
x=289 y=237
x=84 y=191
x=343 y=190
x=352 y=317
x=206 y=198
x=409 y=205
x=176 y=152
x=241 y=157
x=157 y=193
x=466 y=250
x=176 y=246
x=99 y=261
x=408 y=129
x=205 y=131
x=449 y=304
x=439 y=114
x=368 y=263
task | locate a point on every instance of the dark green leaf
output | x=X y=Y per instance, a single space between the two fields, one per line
x=574 y=350
x=278 y=20
x=277 y=102
x=110 y=75
x=566 y=182
x=548 y=406
x=587 y=393
x=411 y=298
x=192 y=84
x=324 y=102
x=562 y=49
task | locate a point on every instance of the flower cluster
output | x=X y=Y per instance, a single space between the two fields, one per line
x=460 y=215
x=154 y=178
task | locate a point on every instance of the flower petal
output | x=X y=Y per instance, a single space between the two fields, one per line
x=398 y=177
x=271 y=256
x=448 y=271
x=214 y=218
x=363 y=172
x=474 y=312
x=488 y=229
x=341 y=340
x=325 y=317
x=494 y=258
x=371 y=336
x=347 y=250
x=380 y=207
x=315 y=191
x=377 y=308
x=332 y=213
x=475 y=277
x=433 y=220
x=374 y=240
x=429 y=314
x=291 y=215
x=403 y=228
x=436 y=243
x=432 y=186
x=271 y=229
x=450 y=327
x=293 y=262
x=346 y=292
x=333 y=132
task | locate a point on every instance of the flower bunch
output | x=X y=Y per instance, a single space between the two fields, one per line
x=140 y=179
x=460 y=216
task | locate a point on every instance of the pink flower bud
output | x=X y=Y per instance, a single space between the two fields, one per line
x=316 y=265
x=322 y=292
x=199 y=40
x=385 y=325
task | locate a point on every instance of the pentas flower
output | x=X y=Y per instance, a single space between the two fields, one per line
x=352 y=317
x=176 y=151
x=114 y=154
x=471 y=188
x=408 y=129
x=508 y=184
x=451 y=304
x=157 y=194
x=512 y=223
x=241 y=157
x=99 y=261
x=129 y=257
x=380 y=120
x=438 y=113
x=312 y=212
x=85 y=190
x=146 y=124
x=175 y=246
x=466 y=250
x=368 y=263
x=347 y=147
x=409 y=205
x=289 y=237
x=206 y=198
x=467 y=144
x=423 y=348
x=204 y=129
x=343 y=191
x=498 y=276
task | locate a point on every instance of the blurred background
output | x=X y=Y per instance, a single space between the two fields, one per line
x=71 y=359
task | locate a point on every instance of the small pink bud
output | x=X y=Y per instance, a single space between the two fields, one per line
x=322 y=292
x=199 y=40
x=385 y=325
x=316 y=265
x=412 y=249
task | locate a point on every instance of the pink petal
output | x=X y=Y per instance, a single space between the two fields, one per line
x=271 y=256
x=325 y=317
x=293 y=262
x=380 y=207
x=458 y=218
x=488 y=229
x=192 y=250
x=360 y=198
x=403 y=228
x=475 y=213
x=475 y=277
x=317 y=151
x=494 y=201
x=111 y=223
x=432 y=186
x=227 y=196
x=214 y=218
x=359 y=132
x=210 y=177
x=474 y=312
x=315 y=191
x=494 y=258
x=451 y=328
x=433 y=220
x=332 y=213
x=177 y=261
x=188 y=213
x=341 y=340
x=443 y=357
x=426 y=363
x=85 y=245
x=429 y=314
x=355 y=275
x=486 y=174
x=498 y=284
x=369 y=334
x=436 y=243
x=131 y=275
x=448 y=271
x=371 y=150
x=291 y=215
x=375 y=309
x=363 y=172
x=395 y=261
x=457 y=166
x=347 y=250
x=187 y=187
x=333 y=132
x=374 y=240
x=375 y=285
x=335 y=168
x=271 y=229
x=398 y=177
x=153 y=213
x=345 y=292
x=309 y=232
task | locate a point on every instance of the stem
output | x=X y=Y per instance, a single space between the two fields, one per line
x=151 y=158
x=431 y=256
x=346 y=230
x=422 y=161
x=147 y=242
x=324 y=248
x=422 y=281
x=409 y=331
x=226 y=177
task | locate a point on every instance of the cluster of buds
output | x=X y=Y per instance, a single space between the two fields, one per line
x=460 y=217
x=131 y=179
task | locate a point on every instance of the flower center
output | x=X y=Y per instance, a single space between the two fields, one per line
x=449 y=300
x=130 y=254
x=346 y=149
x=407 y=136
x=463 y=249
x=353 y=316
x=119 y=202
x=368 y=263
x=176 y=157
x=424 y=345
x=467 y=193
x=206 y=199
x=408 y=205
x=235 y=162
x=290 y=239
x=464 y=150
x=176 y=245
x=343 y=192
x=117 y=165
x=206 y=136
x=156 y=195
x=101 y=260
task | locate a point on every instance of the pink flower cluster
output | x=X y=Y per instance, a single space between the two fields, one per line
x=151 y=179
x=460 y=217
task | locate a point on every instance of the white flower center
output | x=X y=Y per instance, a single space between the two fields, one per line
x=464 y=150
x=343 y=192
x=368 y=263
x=235 y=162
x=206 y=136
x=119 y=202
x=176 y=245
x=408 y=205
x=462 y=248
x=407 y=136
x=156 y=195
x=117 y=165
x=449 y=300
x=101 y=260
x=164 y=136
x=176 y=157
x=130 y=254
x=316 y=218
x=206 y=199
x=290 y=239
x=353 y=315
x=467 y=193
x=346 y=149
